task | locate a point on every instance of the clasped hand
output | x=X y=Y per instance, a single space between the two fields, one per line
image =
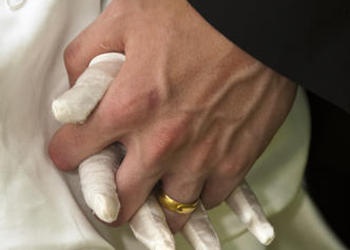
x=193 y=111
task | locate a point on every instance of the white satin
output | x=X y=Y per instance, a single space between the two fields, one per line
x=42 y=208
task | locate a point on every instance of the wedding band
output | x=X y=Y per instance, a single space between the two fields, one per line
x=175 y=206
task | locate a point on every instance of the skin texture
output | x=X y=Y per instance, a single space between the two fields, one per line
x=193 y=110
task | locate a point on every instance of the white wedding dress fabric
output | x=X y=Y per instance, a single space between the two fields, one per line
x=43 y=208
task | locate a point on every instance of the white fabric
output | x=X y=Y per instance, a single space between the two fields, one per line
x=42 y=208
x=37 y=209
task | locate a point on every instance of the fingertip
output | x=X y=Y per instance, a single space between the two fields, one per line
x=200 y=232
x=150 y=227
x=106 y=208
x=74 y=62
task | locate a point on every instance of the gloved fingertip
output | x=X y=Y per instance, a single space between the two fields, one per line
x=248 y=209
x=64 y=112
x=199 y=231
x=150 y=227
x=263 y=232
x=106 y=208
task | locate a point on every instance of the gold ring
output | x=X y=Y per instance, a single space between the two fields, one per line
x=176 y=206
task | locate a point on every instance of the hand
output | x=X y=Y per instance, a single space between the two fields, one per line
x=192 y=109
x=97 y=173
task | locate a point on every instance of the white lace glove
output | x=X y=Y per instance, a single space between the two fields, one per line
x=98 y=171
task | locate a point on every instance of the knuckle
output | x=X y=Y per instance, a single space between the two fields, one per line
x=216 y=192
x=227 y=169
x=152 y=170
x=143 y=103
x=58 y=150
x=162 y=145
x=126 y=108
x=199 y=169
x=153 y=162
x=203 y=158
x=70 y=54
x=209 y=200
x=110 y=120
x=198 y=166
x=114 y=112
x=72 y=60
x=170 y=137
x=154 y=99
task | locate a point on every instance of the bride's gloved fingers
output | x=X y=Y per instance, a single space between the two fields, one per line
x=97 y=179
x=199 y=231
x=77 y=103
x=245 y=204
x=150 y=227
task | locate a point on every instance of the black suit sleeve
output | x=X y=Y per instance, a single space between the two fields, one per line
x=305 y=40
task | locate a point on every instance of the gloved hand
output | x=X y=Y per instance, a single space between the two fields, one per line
x=97 y=174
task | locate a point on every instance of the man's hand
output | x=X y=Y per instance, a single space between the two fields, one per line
x=192 y=109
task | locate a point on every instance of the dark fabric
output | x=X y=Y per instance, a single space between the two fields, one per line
x=309 y=42
x=328 y=170
x=305 y=40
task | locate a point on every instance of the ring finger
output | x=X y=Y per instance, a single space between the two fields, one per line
x=178 y=194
